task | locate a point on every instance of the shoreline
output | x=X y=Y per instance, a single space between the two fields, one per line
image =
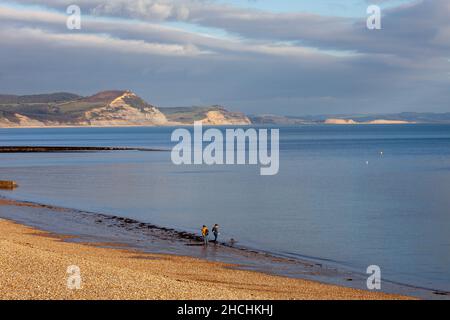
x=172 y=124
x=303 y=288
x=117 y=273
x=217 y=125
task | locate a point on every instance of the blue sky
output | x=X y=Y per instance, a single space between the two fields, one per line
x=346 y=8
x=264 y=56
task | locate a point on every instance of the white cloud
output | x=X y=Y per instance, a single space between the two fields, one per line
x=94 y=41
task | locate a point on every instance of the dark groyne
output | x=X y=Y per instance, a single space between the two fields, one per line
x=36 y=149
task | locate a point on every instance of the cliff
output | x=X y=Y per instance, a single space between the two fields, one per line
x=213 y=115
x=105 y=109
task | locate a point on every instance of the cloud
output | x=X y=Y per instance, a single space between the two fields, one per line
x=147 y=9
x=149 y=35
x=402 y=25
x=87 y=41
x=252 y=60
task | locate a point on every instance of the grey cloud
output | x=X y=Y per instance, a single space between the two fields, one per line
x=272 y=67
x=149 y=35
x=408 y=30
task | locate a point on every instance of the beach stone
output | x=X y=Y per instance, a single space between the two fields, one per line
x=8 y=184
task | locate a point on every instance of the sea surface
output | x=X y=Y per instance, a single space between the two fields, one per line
x=346 y=196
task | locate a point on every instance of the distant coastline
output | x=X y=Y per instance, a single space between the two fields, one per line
x=123 y=108
x=378 y=121
x=114 y=108
x=355 y=119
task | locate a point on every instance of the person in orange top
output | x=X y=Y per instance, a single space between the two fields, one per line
x=205 y=233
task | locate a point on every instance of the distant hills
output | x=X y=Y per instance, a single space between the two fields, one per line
x=213 y=115
x=38 y=98
x=394 y=118
x=411 y=117
x=106 y=108
x=125 y=108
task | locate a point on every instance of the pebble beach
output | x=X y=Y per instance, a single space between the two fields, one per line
x=34 y=265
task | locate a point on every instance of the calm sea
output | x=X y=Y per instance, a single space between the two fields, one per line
x=351 y=196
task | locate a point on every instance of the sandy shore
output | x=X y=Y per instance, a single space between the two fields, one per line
x=33 y=265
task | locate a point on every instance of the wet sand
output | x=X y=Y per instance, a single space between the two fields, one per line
x=33 y=265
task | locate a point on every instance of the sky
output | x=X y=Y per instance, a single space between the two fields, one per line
x=286 y=57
